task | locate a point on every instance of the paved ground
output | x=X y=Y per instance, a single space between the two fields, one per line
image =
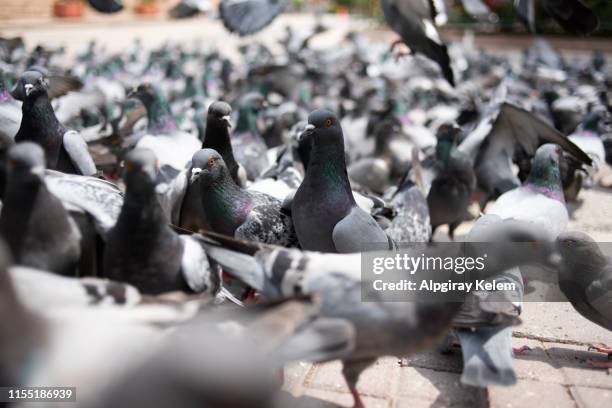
x=553 y=374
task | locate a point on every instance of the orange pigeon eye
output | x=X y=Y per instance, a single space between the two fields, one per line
x=328 y=122
x=211 y=161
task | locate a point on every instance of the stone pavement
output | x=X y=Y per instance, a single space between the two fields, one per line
x=554 y=373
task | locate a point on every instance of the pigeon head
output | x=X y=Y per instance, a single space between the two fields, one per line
x=146 y=93
x=253 y=101
x=27 y=159
x=598 y=121
x=220 y=113
x=323 y=125
x=578 y=250
x=30 y=84
x=208 y=166
x=140 y=165
x=545 y=172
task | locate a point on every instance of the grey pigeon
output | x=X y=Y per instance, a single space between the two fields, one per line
x=503 y=131
x=172 y=147
x=411 y=222
x=324 y=212
x=450 y=191
x=34 y=223
x=217 y=137
x=142 y=249
x=540 y=199
x=381 y=328
x=234 y=211
x=414 y=22
x=10 y=112
x=585 y=278
x=248 y=145
x=65 y=150
x=572 y=15
x=245 y=17
x=484 y=323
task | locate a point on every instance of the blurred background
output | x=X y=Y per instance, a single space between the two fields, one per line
x=503 y=19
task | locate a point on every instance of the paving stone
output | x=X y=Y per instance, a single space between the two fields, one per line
x=559 y=321
x=592 y=397
x=295 y=374
x=437 y=387
x=527 y=393
x=437 y=361
x=377 y=380
x=331 y=399
x=572 y=362
x=535 y=364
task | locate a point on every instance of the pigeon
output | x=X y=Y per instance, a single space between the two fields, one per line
x=142 y=249
x=381 y=328
x=248 y=145
x=411 y=222
x=454 y=181
x=173 y=148
x=588 y=135
x=503 y=131
x=585 y=278
x=106 y=6
x=189 y=8
x=540 y=199
x=10 y=112
x=414 y=22
x=217 y=138
x=324 y=212
x=34 y=223
x=484 y=323
x=572 y=15
x=65 y=150
x=246 y=17
x=234 y=211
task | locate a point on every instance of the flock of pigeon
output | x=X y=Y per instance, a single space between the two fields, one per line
x=179 y=226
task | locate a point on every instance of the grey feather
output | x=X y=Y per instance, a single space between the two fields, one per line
x=79 y=155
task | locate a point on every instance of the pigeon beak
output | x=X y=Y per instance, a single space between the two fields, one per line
x=307 y=130
x=38 y=170
x=195 y=173
x=228 y=120
x=28 y=89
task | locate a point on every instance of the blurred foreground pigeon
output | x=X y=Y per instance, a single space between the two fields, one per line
x=381 y=328
x=414 y=21
x=142 y=249
x=33 y=222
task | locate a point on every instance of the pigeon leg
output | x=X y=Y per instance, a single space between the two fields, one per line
x=518 y=350
x=601 y=349
x=601 y=364
x=356 y=397
x=351 y=370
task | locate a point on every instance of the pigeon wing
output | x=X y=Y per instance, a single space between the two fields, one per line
x=246 y=17
x=79 y=155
